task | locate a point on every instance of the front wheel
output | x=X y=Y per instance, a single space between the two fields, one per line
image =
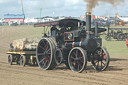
x=77 y=59
x=100 y=59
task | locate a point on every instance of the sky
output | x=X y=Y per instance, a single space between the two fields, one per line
x=73 y=8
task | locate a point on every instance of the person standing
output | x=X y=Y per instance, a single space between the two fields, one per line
x=127 y=42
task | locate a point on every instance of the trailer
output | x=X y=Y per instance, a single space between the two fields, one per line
x=21 y=57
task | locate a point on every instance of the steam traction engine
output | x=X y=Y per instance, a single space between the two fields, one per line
x=117 y=33
x=72 y=45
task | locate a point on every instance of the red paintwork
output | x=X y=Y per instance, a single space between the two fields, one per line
x=21 y=20
x=68 y=39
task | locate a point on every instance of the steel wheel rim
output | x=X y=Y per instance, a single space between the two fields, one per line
x=101 y=60
x=44 y=55
x=77 y=60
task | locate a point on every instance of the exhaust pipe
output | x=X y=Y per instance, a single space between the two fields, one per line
x=88 y=24
x=96 y=29
x=88 y=21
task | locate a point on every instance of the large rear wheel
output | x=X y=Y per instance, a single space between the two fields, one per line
x=77 y=59
x=45 y=53
x=100 y=59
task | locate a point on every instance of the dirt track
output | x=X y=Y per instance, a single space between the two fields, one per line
x=116 y=74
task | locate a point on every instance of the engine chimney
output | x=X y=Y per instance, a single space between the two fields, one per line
x=88 y=21
x=88 y=24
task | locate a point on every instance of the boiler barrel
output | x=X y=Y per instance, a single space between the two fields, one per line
x=90 y=45
x=75 y=44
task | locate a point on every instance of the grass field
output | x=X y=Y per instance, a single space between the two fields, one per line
x=116 y=48
x=119 y=26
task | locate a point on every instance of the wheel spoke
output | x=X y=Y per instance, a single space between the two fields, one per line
x=72 y=57
x=42 y=60
x=98 y=64
x=45 y=63
x=81 y=60
x=74 y=63
x=79 y=65
x=103 y=63
x=76 y=53
x=57 y=56
x=41 y=54
x=43 y=43
x=42 y=47
x=48 y=50
x=47 y=46
x=48 y=58
x=81 y=54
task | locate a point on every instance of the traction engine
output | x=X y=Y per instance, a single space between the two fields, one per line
x=72 y=45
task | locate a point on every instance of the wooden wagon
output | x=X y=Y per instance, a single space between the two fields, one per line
x=21 y=57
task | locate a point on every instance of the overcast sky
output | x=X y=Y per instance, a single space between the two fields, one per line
x=59 y=7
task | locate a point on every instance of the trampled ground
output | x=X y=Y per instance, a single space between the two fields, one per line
x=116 y=74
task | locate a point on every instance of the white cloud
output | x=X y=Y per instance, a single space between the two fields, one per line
x=65 y=7
x=71 y=2
x=5 y=1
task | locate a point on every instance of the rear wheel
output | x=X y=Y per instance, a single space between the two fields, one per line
x=120 y=37
x=10 y=59
x=77 y=59
x=101 y=59
x=45 y=53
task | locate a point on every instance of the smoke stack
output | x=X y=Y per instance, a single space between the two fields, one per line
x=96 y=29
x=88 y=21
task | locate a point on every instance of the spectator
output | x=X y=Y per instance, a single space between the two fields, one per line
x=127 y=42
x=11 y=46
x=54 y=31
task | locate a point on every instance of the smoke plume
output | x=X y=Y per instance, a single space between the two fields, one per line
x=93 y=3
